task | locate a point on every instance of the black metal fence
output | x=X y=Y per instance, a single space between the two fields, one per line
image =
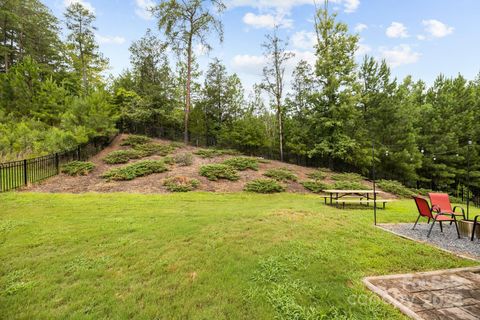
x=17 y=174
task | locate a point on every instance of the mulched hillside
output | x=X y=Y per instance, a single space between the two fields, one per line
x=94 y=182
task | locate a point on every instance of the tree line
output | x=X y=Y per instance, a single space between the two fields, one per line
x=336 y=110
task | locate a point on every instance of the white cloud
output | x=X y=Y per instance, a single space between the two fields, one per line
x=304 y=40
x=421 y=37
x=84 y=3
x=363 y=49
x=249 y=63
x=397 y=30
x=143 y=9
x=200 y=50
x=359 y=27
x=267 y=21
x=399 y=55
x=436 y=28
x=110 y=39
x=349 y=6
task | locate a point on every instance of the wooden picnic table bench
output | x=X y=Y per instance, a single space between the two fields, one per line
x=359 y=196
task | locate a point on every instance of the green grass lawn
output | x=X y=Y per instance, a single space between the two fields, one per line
x=199 y=256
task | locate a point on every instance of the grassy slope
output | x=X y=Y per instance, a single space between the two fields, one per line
x=198 y=256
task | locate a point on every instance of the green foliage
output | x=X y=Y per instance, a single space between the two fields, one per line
x=212 y=153
x=349 y=185
x=317 y=175
x=395 y=187
x=150 y=149
x=122 y=156
x=314 y=186
x=169 y=160
x=214 y=172
x=184 y=159
x=354 y=177
x=242 y=163
x=78 y=168
x=264 y=186
x=135 y=140
x=281 y=174
x=138 y=169
x=181 y=184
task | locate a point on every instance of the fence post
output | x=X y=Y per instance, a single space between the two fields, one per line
x=57 y=163
x=25 y=169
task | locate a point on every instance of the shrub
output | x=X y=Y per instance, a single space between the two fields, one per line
x=242 y=163
x=78 y=168
x=395 y=188
x=219 y=171
x=264 y=186
x=349 y=185
x=349 y=176
x=133 y=140
x=282 y=174
x=150 y=149
x=177 y=145
x=184 y=159
x=181 y=184
x=314 y=186
x=121 y=156
x=212 y=153
x=169 y=160
x=138 y=169
x=317 y=175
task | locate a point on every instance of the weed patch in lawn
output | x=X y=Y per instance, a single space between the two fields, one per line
x=215 y=172
x=242 y=163
x=135 y=170
x=78 y=168
x=281 y=174
x=264 y=186
x=181 y=184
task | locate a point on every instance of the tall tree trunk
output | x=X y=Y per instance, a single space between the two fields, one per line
x=187 y=98
x=280 y=130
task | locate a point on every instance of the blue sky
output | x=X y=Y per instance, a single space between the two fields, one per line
x=422 y=38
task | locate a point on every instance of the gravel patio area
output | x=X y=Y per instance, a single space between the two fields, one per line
x=447 y=240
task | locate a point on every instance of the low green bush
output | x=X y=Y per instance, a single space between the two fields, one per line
x=214 y=172
x=348 y=176
x=78 y=168
x=133 y=140
x=395 y=187
x=169 y=160
x=282 y=174
x=264 y=186
x=348 y=185
x=181 y=184
x=121 y=156
x=150 y=149
x=212 y=153
x=177 y=145
x=184 y=159
x=138 y=169
x=242 y=163
x=317 y=175
x=314 y=186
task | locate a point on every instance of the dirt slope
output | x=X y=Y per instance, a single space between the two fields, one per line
x=153 y=183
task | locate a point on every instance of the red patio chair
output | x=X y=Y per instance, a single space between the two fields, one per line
x=440 y=201
x=424 y=210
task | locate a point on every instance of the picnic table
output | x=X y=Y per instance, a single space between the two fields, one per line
x=346 y=196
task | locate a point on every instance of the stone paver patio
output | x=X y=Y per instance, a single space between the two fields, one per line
x=447 y=294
